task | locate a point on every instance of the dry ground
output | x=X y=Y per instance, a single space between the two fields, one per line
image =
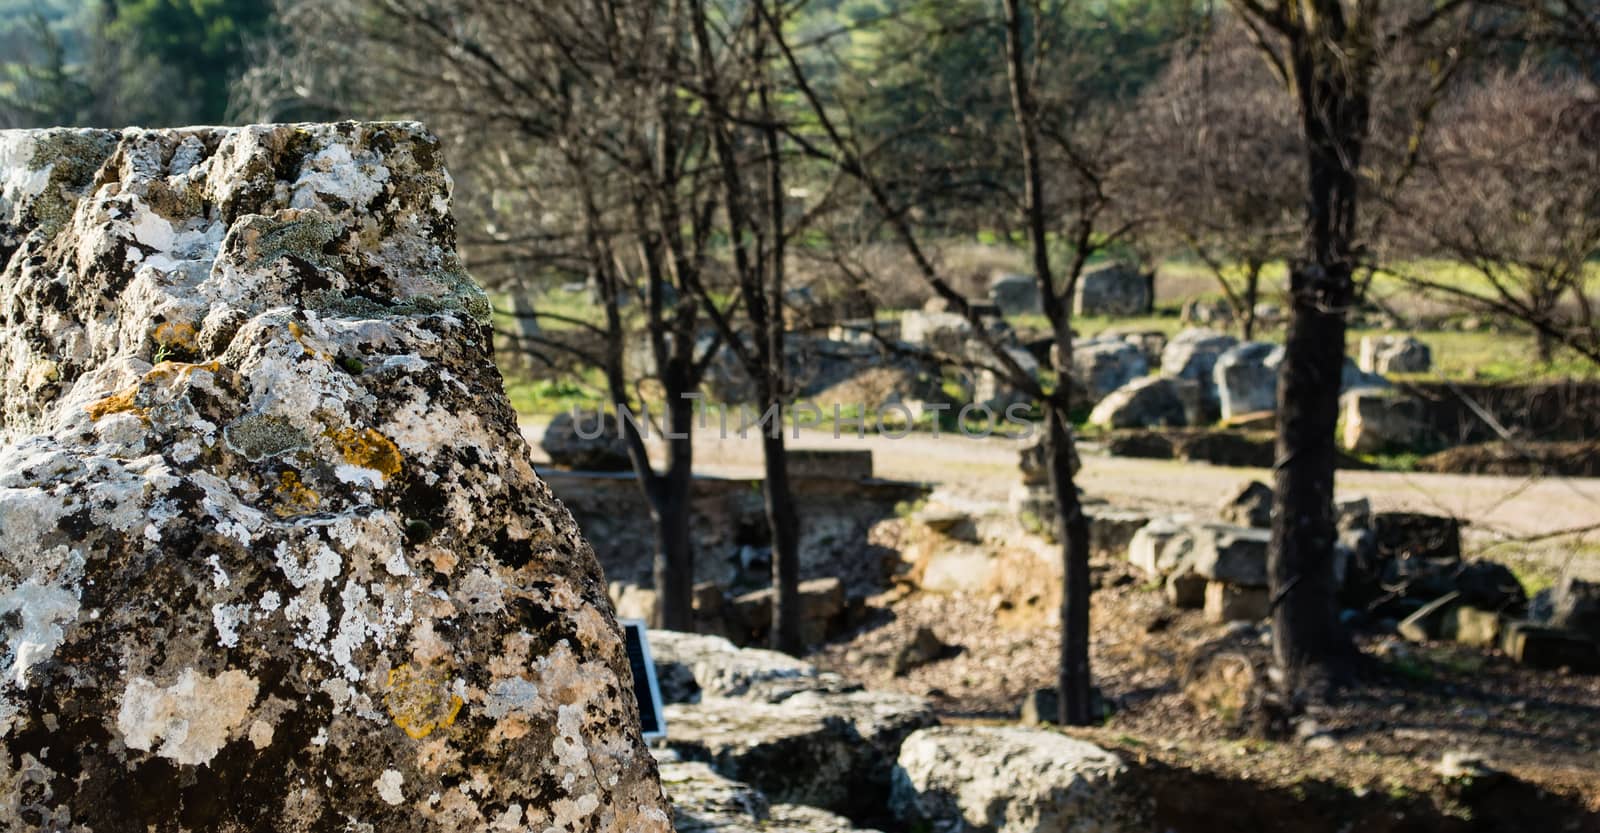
x=1372 y=766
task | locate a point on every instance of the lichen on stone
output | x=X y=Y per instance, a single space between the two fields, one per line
x=269 y=557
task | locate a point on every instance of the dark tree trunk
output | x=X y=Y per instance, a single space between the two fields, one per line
x=670 y=496
x=1309 y=645
x=1074 y=683
x=784 y=521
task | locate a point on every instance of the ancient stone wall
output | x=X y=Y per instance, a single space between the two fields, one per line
x=272 y=555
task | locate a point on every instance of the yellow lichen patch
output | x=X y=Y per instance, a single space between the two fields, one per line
x=175 y=335
x=294 y=497
x=368 y=449
x=167 y=371
x=420 y=699
x=119 y=402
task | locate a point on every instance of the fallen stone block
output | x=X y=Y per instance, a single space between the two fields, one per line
x=705 y=802
x=827 y=750
x=1236 y=603
x=1014 y=780
x=1231 y=554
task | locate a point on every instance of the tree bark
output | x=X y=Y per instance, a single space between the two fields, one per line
x=784 y=521
x=1073 y=682
x=671 y=496
x=1309 y=645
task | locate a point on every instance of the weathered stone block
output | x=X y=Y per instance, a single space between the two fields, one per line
x=1235 y=603
x=1014 y=780
x=1112 y=289
x=828 y=750
x=272 y=552
x=1231 y=554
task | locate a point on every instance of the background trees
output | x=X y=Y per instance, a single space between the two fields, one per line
x=1509 y=186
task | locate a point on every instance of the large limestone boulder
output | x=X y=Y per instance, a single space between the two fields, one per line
x=1231 y=554
x=823 y=749
x=690 y=666
x=1385 y=355
x=1103 y=366
x=1246 y=378
x=1192 y=356
x=1149 y=402
x=1377 y=420
x=705 y=802
x=272 y=554
x=942 y=332
x=990 y=779
x=1112 y=289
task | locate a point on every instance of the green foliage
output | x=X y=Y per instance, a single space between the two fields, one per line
x=201 y=41
x=111 y=63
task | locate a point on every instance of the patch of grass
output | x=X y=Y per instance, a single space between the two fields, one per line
x=548 y=397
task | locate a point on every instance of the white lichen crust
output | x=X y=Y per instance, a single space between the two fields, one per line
x=272 y=556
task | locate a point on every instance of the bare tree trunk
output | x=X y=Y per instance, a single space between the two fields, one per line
x=671 y=498
x=1310 y=646
x=782 y=515
x=1073 y=679
x=1074 y=682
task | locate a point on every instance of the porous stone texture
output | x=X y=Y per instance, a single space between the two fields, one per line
x=1250 y=506
x=689 y=666
x=272 y=554
x=1013 y=780
x=1231 y=554
x=1378 y=420
x=1159 y=547
x=705 y=802
x=822 y=749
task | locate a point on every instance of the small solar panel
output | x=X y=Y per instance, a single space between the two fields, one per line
x=652 y=723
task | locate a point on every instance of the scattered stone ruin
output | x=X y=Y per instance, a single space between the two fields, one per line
x=272 y=554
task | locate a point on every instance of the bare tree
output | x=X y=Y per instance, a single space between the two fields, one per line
x=1509 y=185
x=1328 y=54
x=1065 y=147
x=1218 y=151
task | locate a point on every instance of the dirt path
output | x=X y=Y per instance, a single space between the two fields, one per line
x=985 y=469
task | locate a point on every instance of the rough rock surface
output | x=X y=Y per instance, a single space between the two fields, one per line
x=1014 y=780
x=705 y=802
x=822 y=749
x=1015 y=294
x=689 y=666
x=272 y=555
